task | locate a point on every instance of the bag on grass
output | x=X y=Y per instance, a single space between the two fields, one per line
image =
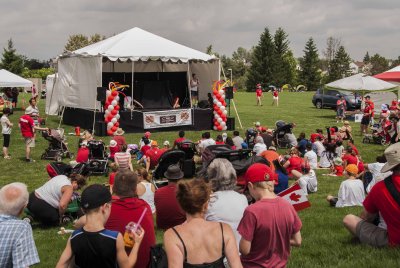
x=158 y=257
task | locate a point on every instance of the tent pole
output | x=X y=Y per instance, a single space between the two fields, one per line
x=62 y=116
x=52 y=92
x=133 y=77
x=189 y=75
x=94 y=115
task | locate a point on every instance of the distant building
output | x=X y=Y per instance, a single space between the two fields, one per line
x=360 y=67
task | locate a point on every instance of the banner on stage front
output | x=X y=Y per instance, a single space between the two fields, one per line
x=170 y=118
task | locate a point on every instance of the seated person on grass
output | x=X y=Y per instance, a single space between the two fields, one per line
x=351 y=191
x=307 y=179
x=152 y=156
x=93 y=245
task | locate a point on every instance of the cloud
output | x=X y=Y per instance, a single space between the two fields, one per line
x=40 y=29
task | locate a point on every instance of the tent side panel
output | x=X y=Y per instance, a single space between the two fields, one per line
x=78 y=80
x=207 y=74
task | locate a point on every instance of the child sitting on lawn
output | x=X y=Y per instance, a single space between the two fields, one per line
x=93 y=245
x=114 y=168
x=351 y=191
x=337 y=169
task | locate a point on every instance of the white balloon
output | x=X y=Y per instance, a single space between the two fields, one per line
x=221 y=92
x=215 y=101
x=110 y=108
x=116 y=98
x=219 y=104
x=223 y=124
x=215 y=128
x=108 y=93
x=114 y=120
x=114 y=103
x=107 y=112
x=117 y=116
x=225 y=128
x=219 y=120
x=217 y=116
x=110 y=124
x=222 y=108
x=225 y=112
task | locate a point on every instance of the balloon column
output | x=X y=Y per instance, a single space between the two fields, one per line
x=111 y=107
x=220 y=111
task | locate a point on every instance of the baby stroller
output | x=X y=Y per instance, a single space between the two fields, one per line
x=57 y=149
x=60 y=168
x=98 y=162
x=378 y=136
x=166 y=159
x=280 y=132
x=188 y=166
x=251 y=135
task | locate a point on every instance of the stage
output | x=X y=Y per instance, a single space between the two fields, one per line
x=133 y=122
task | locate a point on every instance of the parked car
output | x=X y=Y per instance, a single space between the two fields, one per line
x=328 y=98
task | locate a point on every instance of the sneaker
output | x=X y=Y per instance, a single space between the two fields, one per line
x=7 y=157
x=30 y=160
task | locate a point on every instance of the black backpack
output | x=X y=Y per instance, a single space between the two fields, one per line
x=158 y=257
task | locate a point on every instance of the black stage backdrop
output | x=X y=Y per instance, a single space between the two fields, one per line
x=153 y=90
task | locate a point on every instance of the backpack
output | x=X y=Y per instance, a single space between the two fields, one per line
x=158 y=257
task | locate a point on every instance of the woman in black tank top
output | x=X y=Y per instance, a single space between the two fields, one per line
x=197 y=242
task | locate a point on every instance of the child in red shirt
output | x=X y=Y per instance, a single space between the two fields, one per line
x=275 y=97
x=82 y=156
x=114 y=169
x=114 y=148
x=259 y=94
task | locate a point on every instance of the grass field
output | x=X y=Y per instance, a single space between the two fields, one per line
x=325 y=241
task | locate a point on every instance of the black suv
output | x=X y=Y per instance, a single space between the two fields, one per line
x=328 y=98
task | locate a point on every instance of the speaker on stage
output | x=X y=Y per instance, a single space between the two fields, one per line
x=229 y=93
x=101 y=94
x=230 y=123
x=100 y=128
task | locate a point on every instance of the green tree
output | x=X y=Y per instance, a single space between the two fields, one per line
x=379 y=64
x=77 y=41
x=395 y=63
x=310 y=75
x=240 y=65
x=261 y=69
x=11 y=61
x=285 y=65
x=38 y=73
x=339 y=67
x=366 y=58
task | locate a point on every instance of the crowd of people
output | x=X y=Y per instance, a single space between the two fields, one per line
x=210 y=221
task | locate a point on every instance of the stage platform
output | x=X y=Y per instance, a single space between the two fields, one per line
x=132 y=122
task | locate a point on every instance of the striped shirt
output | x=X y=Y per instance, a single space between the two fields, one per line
x=122 y=159
x=17 y=247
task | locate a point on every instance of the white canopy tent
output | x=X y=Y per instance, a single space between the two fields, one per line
x=8 y=79
x=361 y=83
x=132 y=51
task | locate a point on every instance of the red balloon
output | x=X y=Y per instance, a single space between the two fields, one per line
x=218 y=96
x=110 y=117
x=114 y=93
x=215 y=107
x=117 y=107
x=219 y=128
x=114 y=112
x=220 y=112
x=215 y=92
x=107 y=104
x=116 y=124
x=114 y=128
x=110 y=133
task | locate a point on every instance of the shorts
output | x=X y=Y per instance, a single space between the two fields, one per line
x=275 y=98
x=6 y=141
x=372 y=235
x=30 y=142
x=340 y=113
x=365 y=120
x=194 y=93
x=333 y=201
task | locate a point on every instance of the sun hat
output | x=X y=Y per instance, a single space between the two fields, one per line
x=259 y=172
x=224 y=135
x=113 y=143
x=351 y=168
x=166 y=143
x=392 y=154
x=147 y=134
x=119 y=132
x=272 y=148
x=95 y=196
x=338 y=161
x=257 y=124
x=173 y=173
x=84 y=143
x=346 y=122
x=154 y=143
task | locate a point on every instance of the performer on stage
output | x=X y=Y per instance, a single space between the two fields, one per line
x=259 y=94
x=194 y=90
x=176 y=103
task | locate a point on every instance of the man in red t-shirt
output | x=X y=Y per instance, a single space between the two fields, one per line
x=349 y=157
x=380 y=201
x=28 y=127
x=153 y=155
x=168 y=211
x=259 y=94
x=270 y=216
x=366 y=118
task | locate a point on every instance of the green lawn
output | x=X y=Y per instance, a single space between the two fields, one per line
x=325 y=241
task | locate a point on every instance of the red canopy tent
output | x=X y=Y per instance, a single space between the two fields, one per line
x=392 y=75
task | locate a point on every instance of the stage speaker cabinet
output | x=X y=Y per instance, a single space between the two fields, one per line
x=229 y=93
x=100 y=128
x=230 y=123
x=101 y=94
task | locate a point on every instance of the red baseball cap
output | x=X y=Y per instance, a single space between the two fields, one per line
x=260 y=172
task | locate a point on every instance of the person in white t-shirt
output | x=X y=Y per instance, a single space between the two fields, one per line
x=318 y=147
x=206 y=141
x=351 y=191
x=311 y=157
x=194 y=89
x=225 y=205
x=308 y=180
x=6 y=126
x=260 y=146
x=237 y=140
x=375 y=169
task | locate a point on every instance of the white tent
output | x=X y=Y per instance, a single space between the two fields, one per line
x=361 y=83
x=8 y=79
x=132 y=51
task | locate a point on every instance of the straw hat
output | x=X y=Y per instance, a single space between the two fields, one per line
x=113 y=143
x=392 y=154
x=346 y=123
x=119 y=132
x=166 y=143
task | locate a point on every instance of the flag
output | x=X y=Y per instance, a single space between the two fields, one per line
x=296 y=196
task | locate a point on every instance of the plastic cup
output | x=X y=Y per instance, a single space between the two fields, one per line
x=128 y=240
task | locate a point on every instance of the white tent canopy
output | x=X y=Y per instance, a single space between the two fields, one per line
x=360 y=83
x=132 y=51
x=8 y=79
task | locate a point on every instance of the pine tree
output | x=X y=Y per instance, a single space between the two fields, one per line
x=366 y=58
x=77 y=41
x=310 y=75
x=340 y=66
x=11 y=61
x=261 y=69
x=282 y=74
x=379 y=64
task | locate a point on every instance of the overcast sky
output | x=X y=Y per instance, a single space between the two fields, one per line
x=40 y=28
